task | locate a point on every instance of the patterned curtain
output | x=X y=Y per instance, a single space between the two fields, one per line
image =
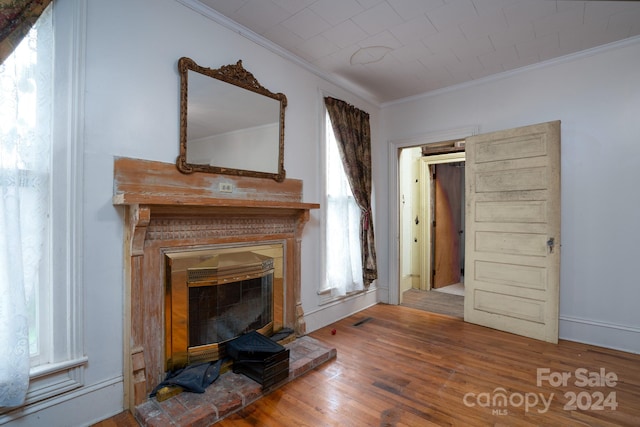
x=16 y=19
x=353 y=133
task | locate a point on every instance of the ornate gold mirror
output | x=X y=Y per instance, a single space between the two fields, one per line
x=229 y=123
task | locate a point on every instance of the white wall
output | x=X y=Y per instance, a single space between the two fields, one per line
x=132 y=110
x=597 y=98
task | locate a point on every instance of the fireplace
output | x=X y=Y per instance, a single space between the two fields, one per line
x=216 y=294
x=167 y=213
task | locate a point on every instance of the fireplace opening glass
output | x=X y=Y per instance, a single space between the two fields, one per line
x=215 y=294
x=222 y=312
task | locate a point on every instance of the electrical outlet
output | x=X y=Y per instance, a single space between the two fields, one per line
x=225 y=187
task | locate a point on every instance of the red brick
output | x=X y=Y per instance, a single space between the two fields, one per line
x=204 y=415
x=173 y=408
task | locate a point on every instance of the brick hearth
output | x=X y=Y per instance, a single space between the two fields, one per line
x=230 y=392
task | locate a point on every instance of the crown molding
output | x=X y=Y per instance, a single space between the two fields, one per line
x=510 y=73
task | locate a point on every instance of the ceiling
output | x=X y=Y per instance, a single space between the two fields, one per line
x=386 y=50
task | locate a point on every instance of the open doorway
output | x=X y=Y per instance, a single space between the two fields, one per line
x=432 y=227
x=512 y=228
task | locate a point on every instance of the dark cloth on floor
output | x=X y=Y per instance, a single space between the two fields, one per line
x=194 y=378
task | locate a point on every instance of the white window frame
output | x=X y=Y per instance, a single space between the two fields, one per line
x=65 y=368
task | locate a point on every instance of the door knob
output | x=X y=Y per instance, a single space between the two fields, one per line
x=550 y=243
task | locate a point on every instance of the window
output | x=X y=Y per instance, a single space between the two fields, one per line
x=343 y=272
x=39 y=203
x=25 y=150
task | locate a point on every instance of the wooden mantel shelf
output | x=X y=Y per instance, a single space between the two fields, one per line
x=145 y=182
x=160 y=201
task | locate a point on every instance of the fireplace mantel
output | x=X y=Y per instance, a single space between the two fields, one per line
x=156 y=184
x=172 y=202
x=165 y=209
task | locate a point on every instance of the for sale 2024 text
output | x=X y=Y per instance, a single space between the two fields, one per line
x=594 y=400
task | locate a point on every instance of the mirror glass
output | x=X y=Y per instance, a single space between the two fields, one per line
x=229 y=123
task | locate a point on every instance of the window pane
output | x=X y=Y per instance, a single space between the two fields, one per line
x=343 y=254
x=25 y=140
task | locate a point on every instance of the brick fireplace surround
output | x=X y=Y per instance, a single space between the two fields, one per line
x=164 y=210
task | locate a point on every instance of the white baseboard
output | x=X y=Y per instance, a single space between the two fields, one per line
x=602 y=334
x=334 y=311
x=82 y=407
x=383 y=294
x=409 y=281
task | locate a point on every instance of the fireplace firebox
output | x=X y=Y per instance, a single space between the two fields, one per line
x=214 y=295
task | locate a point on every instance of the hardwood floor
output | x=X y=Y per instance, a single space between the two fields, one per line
x=434 y=302
x=399 y=366
x=123 y=419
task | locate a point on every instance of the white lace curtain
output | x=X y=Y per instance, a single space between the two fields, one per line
x=24 y=202
x=344 y=259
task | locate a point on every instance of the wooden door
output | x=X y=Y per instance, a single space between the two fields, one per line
x=447 y=215
x=512 y=258
x=427 y=208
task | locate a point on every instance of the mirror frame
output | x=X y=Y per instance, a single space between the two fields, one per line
x=236 y=75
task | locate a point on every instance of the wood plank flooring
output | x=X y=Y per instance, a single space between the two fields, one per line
x=399 y=366
x=123 y=419
x=434 y=302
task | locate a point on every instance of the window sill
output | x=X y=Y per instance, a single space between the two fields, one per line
x=45 y=382
x=325 y=297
